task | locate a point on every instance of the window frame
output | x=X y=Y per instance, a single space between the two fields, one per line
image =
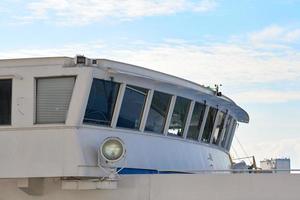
x=130 y=86
x=228 y=121
x=187 y=112
x=202 y=118
x=116 y=106
x=169 y=110
x=146 y=112
x=220 y=130
x=216 y=110
x=232 y=132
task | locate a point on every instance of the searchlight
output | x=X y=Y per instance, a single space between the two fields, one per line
x=111 y=151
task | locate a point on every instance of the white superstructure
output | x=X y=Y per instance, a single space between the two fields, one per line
x=63 y=108
x=68 y=126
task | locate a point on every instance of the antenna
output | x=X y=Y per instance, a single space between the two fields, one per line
x=217 y=89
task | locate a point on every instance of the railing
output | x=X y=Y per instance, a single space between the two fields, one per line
x=229 y=171
x=249 y=171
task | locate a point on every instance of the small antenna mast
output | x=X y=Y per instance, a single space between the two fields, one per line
x=217 y=89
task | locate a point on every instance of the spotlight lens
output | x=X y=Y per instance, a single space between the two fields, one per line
x=112 y=149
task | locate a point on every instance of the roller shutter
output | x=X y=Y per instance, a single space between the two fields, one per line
x=53 y=97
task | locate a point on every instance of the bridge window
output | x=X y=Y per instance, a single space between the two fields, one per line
x=219 y=127
x=179 y=116
x=232 y=131
x=227 y=129
x=53 y=97
x=132 y=107
x=212 y=113
x=196 y=121
x=101 y=103
x=158 y=112
x=5 y=101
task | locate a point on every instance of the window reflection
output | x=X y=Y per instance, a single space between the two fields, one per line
x=227 y=127
x=179 y=116
x=158 y=112
x=209 y=124
x=101 y=102
x=231 y=134
x=132 y=107
x=219 y=127
x=196 y=121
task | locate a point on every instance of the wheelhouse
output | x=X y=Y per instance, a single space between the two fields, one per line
x=60 y=110
x=151 y=111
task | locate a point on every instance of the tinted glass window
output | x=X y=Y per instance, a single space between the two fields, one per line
x=158 y=112
x=219 y=127
x=5 y=102
x=179 y=115
x=209 y=124
x=132 y=107
x=231 y=134
x=53 y=97
x=196 y=121
x=227 y=129
x=101 y=102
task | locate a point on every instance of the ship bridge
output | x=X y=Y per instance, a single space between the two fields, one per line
x=56 y=112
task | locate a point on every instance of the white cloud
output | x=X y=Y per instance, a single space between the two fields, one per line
x=216 y=63
x=3 y=8
x=267 y=96
x=268 y=33
x=71 y=12
x=229 y=64
x=235 y=65
x=66 y=50
x=292 y=35
x=204 y=6
x=275 y=34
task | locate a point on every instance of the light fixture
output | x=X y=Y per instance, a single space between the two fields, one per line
x=81 y=60
x=111 y=151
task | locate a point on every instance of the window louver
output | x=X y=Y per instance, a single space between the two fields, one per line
x=53 y=99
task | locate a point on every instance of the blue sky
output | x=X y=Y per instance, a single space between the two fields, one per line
x=250 y=46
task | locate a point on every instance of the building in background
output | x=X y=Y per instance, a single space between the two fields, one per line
x=276 y=165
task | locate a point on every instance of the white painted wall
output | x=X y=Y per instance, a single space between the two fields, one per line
x=173 y=187
x=72 y=151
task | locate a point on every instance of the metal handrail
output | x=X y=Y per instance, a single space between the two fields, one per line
x=232 y=171
x=257 y=171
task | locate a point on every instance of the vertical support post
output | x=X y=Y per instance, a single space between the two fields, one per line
x=84 y=91
x=229 y=133
x=188 y=119
x=117 y=108
x=169 y=116
x=203 y=122
x=232 y=135
x=214 y=127
x=146 y=110
x=223 y=129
